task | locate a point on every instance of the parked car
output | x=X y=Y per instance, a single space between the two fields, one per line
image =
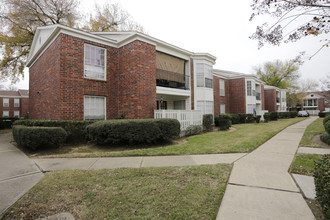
x=303 y=114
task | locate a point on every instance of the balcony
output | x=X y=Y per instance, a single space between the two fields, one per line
x=258 y=96
x=172 y=80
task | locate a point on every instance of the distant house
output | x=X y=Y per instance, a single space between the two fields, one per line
x=314 y=102
x=275 y=99
x=238 y=93
x=14 y=103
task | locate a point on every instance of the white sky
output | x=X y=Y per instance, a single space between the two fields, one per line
x=221 y=28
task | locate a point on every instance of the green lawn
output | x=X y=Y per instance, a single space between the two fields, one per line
x=313 y=129
x=144 y=193
x=304 y=164
x=245 y=138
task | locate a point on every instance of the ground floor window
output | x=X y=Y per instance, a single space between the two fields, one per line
x=16 y=114
x=205 y=106
x=251 y=109
x=222 y=108
x=161 y=105
x=5 y=114
x=179 y=105
x=94 y=107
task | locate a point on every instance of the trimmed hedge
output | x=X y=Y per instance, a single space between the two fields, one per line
x=38 y=137
x=285 y=115
x=235 y=118
x=323 y=114
x=141 y=131
x=325 y=137
x=326 y=119
x=216 y=120
x=322 y=184
x=327 y=127
x=273 y=116
x=242 y=118
x=75 y=129
x=224 y=122
x=293 y=114
x=193 y=129
x=267 y=116
x=7 y=122
x=207 y=122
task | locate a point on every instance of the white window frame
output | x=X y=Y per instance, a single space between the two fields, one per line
x=6 y=103
x=203 y=73
x=16 y=114
x=89 y=67
x=222 y=87
x=5 y=114
x=16 y=102
x=104 y=107
x=206 y=107
x=222 y=108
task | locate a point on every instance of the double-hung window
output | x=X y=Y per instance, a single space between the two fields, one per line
x=222 y=108
x=250 y=88
x=5 y=113
x=204 y=75
x=222 y=87
x=5 y=102
x=94 y=107
x=16 y=102
x=16 y=114
x=95 y=62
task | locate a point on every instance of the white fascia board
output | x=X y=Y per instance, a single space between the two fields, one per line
x=8 y=96
x=171 y=91
x=58 y=29
x=204 y=56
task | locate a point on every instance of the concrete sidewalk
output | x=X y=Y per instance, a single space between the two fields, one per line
x=260 y=186
x=18 y=173
x=53 y=164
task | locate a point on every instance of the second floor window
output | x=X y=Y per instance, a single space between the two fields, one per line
x=204 y=75
x=16 y=102
x=95 y=62
x=5 y=102
x=222 y=87
x=250 y=88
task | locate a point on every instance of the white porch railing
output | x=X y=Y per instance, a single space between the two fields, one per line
x=313 y=112
x=185 y=117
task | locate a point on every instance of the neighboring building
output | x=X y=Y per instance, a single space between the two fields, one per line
x=237 y=93
x=314 y=102
x=76 y=75
x=14 y=103
x=275 y=99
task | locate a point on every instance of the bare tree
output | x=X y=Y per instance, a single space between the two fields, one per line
x=295 y=19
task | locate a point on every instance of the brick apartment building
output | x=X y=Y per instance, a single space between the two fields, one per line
x=314 y=102
x=237 y=93
x=275 y=99
x=76 y=75
x=14 y=103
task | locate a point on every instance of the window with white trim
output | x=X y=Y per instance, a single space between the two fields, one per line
x=250 y=88
x=5 y=102
x=16 y=102
x=94 y=107
x=205 y=106
x=204 y=75
x=179 y=105
x=222 y=87
x=251 y=109
x=5 y=113
x=16 y=114
x=222 y=108
x=95 y=62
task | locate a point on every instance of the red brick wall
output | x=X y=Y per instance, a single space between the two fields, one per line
x=263 y=97
x=270 y=100
x=137 y=80
x=24 y=104
x=321 y=104
x=237 y=100
x=192 y=87
x=130 y=86
x=220 y=99
x=44 y=84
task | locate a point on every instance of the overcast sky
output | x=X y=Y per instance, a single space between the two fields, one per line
x=221 y=28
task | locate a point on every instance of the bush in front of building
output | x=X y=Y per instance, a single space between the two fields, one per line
x=38 y=137
x=267 y=116
x=273 y=116
x=323 y=114
x=193 y=130
x=208 y=122
x=284 y=115
x=293 y=114
x=235 y=118
x=242 y=118
x=224 y=122
x=322 y=184
x=133 y=131
x=75 y=129
x=326 y=119
x=7 y=122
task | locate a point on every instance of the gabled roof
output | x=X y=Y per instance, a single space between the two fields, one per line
x=14 y=94
x=45 y=35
